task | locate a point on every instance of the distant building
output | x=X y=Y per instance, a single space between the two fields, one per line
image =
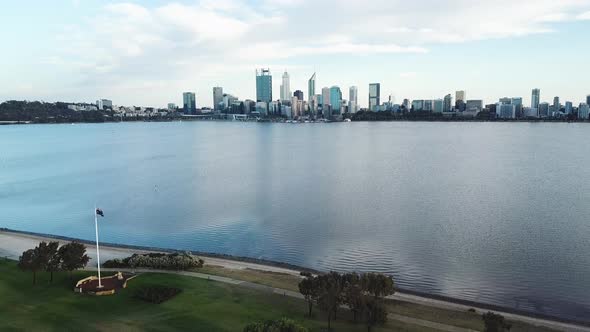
x=417 y=105
x=517 y=102
x=473 y=106
x=298 y=94
x=217 y=97
x=505 y=101
x=536 y=98
x=506 y=111
x=448 y=103
x=427 y=106
x=311 y=88
x=285 y=87
x=104 y=104
x=544 y=110
x=438 y=106
x=325 y=96
x=171 y=106
x=374 y=96
x=588 y=100
x=556 y=104
x=189 y=102
x=460 y=95
x=531 y=112
x=263 y=85
x=335 y=98
x=353 y=99
x=583 y=111
x=569 y=107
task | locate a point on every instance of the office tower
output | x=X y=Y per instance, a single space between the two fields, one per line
x=417 y=105
x=427 y=105
x=536 y=98
x=335 y=99
x=171 y=106
x=474 y=105
x=438 y=106
x=311 y=87
x=505 y=111
x=569 y=107
x=406 y=104
x=326 y=96
x=263 y=85
x=583 y=111
x=588 y=100
x=505 y=101
x=460 y=95
x=353 y=99
x=517 y=102
x=286 y=87
x=298 y=94
x=556 y=104
x=448 y=103
x=544 y=110
x=217 y=97
x=102 y=104
x=189 y=102
x=374 y=96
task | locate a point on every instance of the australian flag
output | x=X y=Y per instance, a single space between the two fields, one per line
x=99 y=212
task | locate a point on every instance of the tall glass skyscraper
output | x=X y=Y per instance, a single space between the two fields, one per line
x=263 y=85
x=217 y=97
x=536 y=98
x=374 y=96
x=189 y=102
x=335 y=99
x=353 y=99
x=286 y=88
x=311 y=87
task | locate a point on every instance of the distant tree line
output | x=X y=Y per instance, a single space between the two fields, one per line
x=363 y=294
x=50 y=257
x=174 y=261
x=40 y=112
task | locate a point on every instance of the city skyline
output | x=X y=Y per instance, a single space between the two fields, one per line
x=149 y=53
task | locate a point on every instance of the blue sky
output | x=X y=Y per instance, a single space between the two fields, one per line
x=148 y=52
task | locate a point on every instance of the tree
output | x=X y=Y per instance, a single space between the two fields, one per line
x=376 y=313
x=353 y=295
x=49 y=259
x=30 y=261
x=330 y=294
x=309 y=288
x=378 y=285
x=495 y=322
x=73 y=256
x=281 y=325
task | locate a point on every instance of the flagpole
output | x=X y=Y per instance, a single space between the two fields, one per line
x=97 y=251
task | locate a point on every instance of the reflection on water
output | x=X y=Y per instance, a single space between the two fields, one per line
x=495 y=213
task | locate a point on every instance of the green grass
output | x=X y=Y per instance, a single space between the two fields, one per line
x=268 y=278
x=202 y=306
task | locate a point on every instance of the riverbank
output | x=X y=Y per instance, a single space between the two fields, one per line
x=13 y=243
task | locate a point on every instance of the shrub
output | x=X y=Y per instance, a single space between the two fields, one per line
x=174 y=261
x=281 y=325
x=156 y=294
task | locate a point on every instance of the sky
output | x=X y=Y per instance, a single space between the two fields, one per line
x=146 y=53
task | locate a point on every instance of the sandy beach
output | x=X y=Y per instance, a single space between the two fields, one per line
x=13 y=243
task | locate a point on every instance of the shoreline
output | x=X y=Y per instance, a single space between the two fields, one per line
x=114 y=250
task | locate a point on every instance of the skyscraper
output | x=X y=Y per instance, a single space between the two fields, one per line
x=217 y=97
x=326 y=96
x=311 y=87
x=517 y=102
x=298 y=94
x=569 y=107
x=448 y=103
x=374 y=96
x=583 y=111
x=556 y=104
x=189 y=102
x=263 y=85
x=460 y=95
x=286 y=88
x=536 y=98
x=588 y=100
x=353 y=99
x=335 y=99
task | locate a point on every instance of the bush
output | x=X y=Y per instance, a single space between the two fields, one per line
x=281 y=325
x=156 y=294
x=175 y=261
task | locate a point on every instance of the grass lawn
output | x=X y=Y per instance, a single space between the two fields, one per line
x=202 y=306
x=268 y=278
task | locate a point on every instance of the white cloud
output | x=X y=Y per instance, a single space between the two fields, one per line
x=584 y=16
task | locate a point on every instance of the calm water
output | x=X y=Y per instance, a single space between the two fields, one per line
x=496 y=213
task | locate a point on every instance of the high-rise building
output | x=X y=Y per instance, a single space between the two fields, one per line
x=374 y=96
x=505 y=101
x=263 y=85
x=298 y=94
x=171 y=106
x=326 y=96
x=448 y=103
x=189 y=102
x=474 y=105
x=506 y=111
x=217 y=97
x=569 y=107
x=311 y=87
x=517 y=102
x=460 y=95
x=536 y=98
x=417 y=105
x=583 y=111
x=102 y=104
x=588 y=100
x=556 y=104
x=286 y=87
x=353 y=99
x=544 y=110
x=335 y=99
x=438 y=106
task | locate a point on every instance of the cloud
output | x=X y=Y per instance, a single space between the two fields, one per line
x=210 y=39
